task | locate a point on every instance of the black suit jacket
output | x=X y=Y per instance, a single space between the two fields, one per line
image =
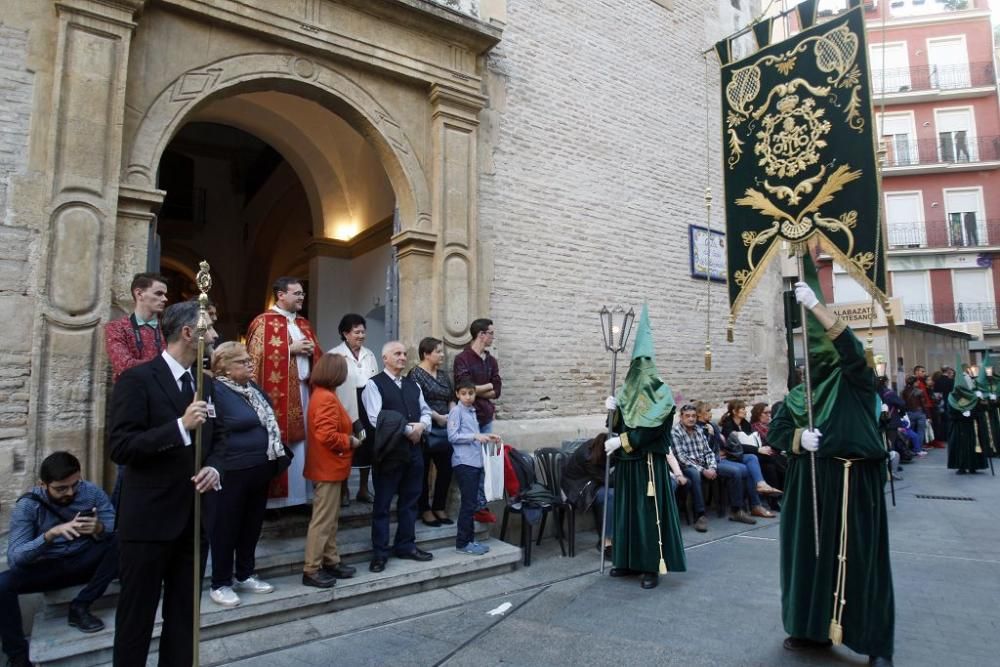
x=157 y=493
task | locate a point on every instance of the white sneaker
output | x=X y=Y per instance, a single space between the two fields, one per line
x=224 y=597
x=253 y=585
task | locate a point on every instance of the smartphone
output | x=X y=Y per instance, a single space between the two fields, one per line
x=87 y=514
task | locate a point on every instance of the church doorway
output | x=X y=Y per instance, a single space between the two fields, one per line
x=266 y=184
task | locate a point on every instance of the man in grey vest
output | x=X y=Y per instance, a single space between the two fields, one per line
x=389 y=390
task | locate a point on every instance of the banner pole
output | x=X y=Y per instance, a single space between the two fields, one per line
x=800 y=250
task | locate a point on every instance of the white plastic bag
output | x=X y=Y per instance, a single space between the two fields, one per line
x=493 y=469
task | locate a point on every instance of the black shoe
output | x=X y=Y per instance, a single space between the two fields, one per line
x=19 y=660
x=445 y=521
x=81 y=619
x=318 y=579
x=649 y=580
x=418 y=555
x=879 y=661
x=959 y=472
x=365 y=498
x=340 y=571
x=803 y=644
x=621 y=572
x=433 y=524
x=377 y=565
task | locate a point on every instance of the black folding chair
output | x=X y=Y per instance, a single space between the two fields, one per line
x=549 y=463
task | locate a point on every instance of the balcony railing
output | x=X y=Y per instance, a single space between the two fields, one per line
x=930 y=77
x=960 y=231
x=947 y=148
x=946 y=313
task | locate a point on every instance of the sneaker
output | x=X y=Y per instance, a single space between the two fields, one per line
x=473 y=549
x=253 y=585
x=701 y=525
x=484 y=546
x=224 y=597
x=921 y=454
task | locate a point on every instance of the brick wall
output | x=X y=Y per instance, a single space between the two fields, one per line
x=593 y=165
x=17 y=257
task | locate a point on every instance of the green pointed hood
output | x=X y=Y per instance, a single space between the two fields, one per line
x=824 y=362
x=644 y=399
x=962 y=396
x=983 y=382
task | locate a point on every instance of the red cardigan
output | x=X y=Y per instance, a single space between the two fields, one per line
x=328 y=448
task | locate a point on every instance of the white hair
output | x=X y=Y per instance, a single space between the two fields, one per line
x=389 y=345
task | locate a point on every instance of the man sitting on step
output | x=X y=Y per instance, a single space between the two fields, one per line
x=60 y=536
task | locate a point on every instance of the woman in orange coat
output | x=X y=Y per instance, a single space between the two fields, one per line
x=329 y=447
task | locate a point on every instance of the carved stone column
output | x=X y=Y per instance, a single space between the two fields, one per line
x=68 y=374
x=455 y=186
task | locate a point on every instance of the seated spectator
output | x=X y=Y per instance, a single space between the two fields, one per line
x=60 y=535
x=772 y=463
x=913 y=401
x=436 y=386
x=583 y=484
x=467 y=463
x=330 y=444
x=895 y=423
x=697 y=460
x=253 y=451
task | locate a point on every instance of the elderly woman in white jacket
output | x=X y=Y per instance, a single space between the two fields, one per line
x=362 y=364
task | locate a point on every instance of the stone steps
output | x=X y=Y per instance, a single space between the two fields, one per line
x=278 y=557
x=53 y=642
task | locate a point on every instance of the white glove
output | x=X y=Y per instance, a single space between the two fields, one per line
x=810 y=439
x=885 y=408
x=610 y=404
x=805 y=295
x=966 y=414
x=611 y=445
x=906 y=421
x=993 y=397
x=979 y=394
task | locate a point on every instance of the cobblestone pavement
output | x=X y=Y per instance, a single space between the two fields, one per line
x=724 y=611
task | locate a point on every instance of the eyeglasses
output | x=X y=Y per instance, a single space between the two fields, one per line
x=248 y=362
x=63 y=488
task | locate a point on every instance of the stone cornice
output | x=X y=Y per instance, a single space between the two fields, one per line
x=367 y=240
x=456 y=104
x=119 y=12
x=414 y=242
x=454 y=63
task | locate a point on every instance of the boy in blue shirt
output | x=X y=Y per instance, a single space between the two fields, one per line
x=467 y=463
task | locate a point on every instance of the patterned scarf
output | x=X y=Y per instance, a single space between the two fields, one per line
x=264 y=413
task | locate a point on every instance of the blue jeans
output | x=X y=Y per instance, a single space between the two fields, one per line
x=694 y=488
x=918 y=423
x=404 y=481
x=94 y=566
x=468 y=480
x=607 y=496
x=743 y=485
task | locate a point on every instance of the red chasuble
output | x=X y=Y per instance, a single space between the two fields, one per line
x=277 y=374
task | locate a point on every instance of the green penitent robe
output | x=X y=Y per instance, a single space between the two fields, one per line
x=637 y=542
x=845 y=413
x=965 y=437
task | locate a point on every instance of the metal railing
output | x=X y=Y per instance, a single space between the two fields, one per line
x=947 y=313
x=946 y=148
x=931 y=77
x=954 y=233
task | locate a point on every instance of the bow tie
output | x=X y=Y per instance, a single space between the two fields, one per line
x=153 y=323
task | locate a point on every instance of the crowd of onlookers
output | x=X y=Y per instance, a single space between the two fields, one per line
x=916 y=418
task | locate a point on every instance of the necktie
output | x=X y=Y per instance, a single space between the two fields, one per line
x=187 y=389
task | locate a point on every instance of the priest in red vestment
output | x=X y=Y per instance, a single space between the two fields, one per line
x=284 y=348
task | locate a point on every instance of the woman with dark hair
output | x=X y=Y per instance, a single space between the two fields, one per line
x=440 y=397
x=583 y=483
x=362 y=364
x=329 y=447
x=772 y=463
x=253 y=451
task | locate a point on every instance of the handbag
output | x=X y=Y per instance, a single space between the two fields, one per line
x=733 y=447
x=437 y=439
x=492 y=471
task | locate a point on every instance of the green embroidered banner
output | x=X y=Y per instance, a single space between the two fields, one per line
x=799 y=155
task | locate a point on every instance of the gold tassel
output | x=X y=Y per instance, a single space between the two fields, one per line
x=708 y=356
x=650 y=489
x=663 y=567
x=729 y=331
x=836 y=633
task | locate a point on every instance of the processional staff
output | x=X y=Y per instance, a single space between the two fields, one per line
x=616 y=326
x=204 y=280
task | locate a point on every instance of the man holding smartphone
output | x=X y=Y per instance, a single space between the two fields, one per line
x=60 y=536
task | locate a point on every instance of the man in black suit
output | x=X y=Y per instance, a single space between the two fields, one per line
x=153 y=419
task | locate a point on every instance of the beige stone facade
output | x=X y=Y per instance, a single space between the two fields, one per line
x=543 y=158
